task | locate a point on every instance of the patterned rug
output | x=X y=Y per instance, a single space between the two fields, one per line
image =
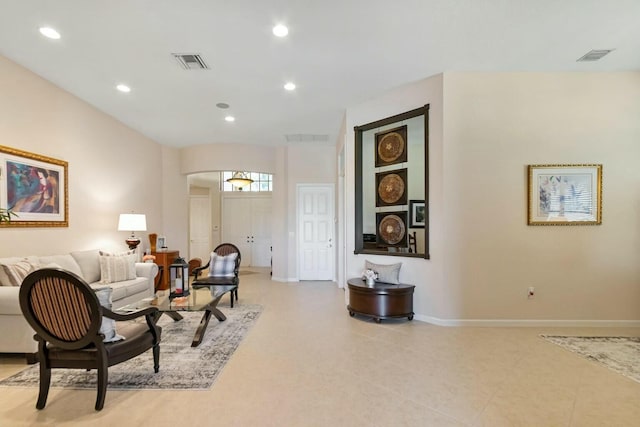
x=620 y=354
x=181 y=366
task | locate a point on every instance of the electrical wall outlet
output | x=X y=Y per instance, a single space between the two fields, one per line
x=531 y=292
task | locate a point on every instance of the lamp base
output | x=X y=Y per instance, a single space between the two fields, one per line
x=133 y=242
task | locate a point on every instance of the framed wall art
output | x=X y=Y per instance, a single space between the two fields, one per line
x=391 y=188
x=565 y=194
x=392 y=229
x=417 y=215
x=391 y=146
x=35 y=188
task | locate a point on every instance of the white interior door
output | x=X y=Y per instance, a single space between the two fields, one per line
x=316 y=215
x=199 y=227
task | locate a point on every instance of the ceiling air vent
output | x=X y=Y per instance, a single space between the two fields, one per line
x=594 y=55
x=191 y=61
x=302 y=137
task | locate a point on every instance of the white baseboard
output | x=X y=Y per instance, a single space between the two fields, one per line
x=530 y=322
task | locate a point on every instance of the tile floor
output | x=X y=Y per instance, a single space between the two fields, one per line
x=307 y=363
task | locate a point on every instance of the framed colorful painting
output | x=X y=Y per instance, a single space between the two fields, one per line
x=565 y=195
x=35 y=188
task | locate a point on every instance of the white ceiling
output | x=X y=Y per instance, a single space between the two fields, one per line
x=338 y=52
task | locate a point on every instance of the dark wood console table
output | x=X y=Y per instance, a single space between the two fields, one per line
x=381 y=301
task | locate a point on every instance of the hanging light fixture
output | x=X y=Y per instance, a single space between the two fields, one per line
x=239 y=179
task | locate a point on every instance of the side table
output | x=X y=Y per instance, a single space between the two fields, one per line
x=164 y=259
x=381 y=301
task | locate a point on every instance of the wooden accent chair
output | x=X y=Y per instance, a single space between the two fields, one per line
x=413 y=246
x=194 y=263
x=223 y=249
x=66 y=315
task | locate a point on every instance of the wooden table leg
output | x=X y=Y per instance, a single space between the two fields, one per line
x=202 y=327
x=219 y=315
x=174 y=315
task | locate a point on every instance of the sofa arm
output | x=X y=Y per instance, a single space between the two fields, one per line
x=10 y=301
x=147 y=269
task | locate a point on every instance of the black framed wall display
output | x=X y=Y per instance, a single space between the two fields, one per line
x=392 y=168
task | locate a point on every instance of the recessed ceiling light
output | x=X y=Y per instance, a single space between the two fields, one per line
x=280 y=30
x=222 y=105
x=290 y=86
x=230 y=119
x=50 y=33
x=123 y=88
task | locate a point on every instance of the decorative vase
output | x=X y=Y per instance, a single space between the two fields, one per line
x=152 y=240
x=371 y=281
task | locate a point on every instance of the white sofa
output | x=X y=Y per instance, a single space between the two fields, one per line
x=17 y=335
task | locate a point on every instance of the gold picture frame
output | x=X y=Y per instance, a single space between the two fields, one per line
x=565 y=194
x=35 y=188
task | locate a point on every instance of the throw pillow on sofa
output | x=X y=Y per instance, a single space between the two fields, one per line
x=117 y=267
x=65 y=261
x=17 y=271
x=89 y=262
x=387 y=273
x=108 y=326
x=222 y=266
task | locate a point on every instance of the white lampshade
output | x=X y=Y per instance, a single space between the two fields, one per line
x=132 y=222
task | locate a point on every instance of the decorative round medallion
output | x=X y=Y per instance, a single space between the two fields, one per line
x=391 y=188
x=391 y=147
x=391 y=229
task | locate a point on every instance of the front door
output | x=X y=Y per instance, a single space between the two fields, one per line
x=246 y=222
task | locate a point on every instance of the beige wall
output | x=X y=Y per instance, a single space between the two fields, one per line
x=485 y=129
x=112 y=169
x=495 y=125
x=224 y=157
x=175 y=202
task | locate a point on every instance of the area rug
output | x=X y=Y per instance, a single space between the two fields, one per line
x=620 y=354
x=181 y=366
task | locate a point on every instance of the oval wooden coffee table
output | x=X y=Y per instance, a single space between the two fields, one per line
x=381 y=301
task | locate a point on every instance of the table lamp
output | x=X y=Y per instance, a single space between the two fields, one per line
x=133 y=223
